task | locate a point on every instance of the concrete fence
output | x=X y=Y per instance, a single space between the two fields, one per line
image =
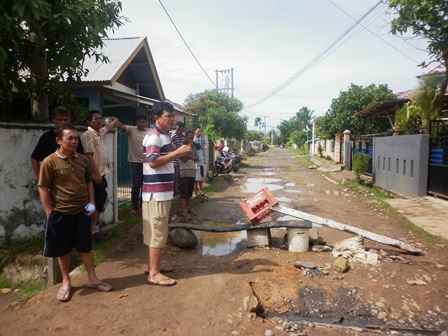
x=21 y=213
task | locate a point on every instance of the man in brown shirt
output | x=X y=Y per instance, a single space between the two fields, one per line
x=65 y=188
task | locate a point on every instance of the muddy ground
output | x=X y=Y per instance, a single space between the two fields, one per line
x=221 y=280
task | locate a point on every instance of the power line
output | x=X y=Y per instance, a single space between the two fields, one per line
x=379 y=37
x=321 y=55
x=186 y=44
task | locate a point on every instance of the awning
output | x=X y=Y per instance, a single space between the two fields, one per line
x=136 y=100
x=382 y=108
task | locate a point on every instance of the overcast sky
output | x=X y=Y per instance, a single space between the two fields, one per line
x=271 y=43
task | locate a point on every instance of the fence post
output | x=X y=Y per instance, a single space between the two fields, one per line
x=348 y=148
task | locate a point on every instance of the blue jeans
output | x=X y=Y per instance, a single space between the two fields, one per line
x=137 y=182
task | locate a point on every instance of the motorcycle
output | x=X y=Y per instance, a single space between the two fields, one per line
x=224 y=163
x=236 y=160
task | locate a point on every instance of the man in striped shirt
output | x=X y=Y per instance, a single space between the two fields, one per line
x=157 y=191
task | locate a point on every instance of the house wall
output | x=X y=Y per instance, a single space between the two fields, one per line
x=327 y=147
x=400 y=164
x=21 y=213
x=93 y=96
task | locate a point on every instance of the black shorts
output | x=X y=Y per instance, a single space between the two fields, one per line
x=186 y=187
x=100 y=194
x=64 y=232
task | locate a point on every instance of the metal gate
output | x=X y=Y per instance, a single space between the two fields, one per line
x=124 y=175
x=438 y=159
x=364 y=144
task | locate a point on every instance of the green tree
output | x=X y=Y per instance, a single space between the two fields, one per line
x=43 y=44
x=217 y=113
x=273 y=137
x=420 y=111
x=300 y=125
x=428 y=19
x=254 y=136
x=258 y=123
x=340 y=117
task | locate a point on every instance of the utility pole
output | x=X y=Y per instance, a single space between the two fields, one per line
x=313 y=143
x=226 y=79
x=264 y=124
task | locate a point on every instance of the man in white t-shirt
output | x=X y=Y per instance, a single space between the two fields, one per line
x=135 y=156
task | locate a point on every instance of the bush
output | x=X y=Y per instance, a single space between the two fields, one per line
x=360 y=164
x=320 y=150
x=304 y=149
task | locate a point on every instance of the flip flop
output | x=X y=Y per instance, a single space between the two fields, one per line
x=163 y=269
x=186 y=216
x=159 y=282
x=64 y=294
x=191 y=212
x=101 y=286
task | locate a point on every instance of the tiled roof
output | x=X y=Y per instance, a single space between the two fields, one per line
x=438 y=70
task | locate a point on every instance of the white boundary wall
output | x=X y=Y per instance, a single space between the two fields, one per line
x=21 y=213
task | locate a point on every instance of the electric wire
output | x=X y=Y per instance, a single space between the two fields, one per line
x=379 y=37
x=186 y=44
x=316 y=59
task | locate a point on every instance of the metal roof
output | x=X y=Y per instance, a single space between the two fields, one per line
x=130 y=63
x=389 y=107
x=381 y=108
x=438 y=70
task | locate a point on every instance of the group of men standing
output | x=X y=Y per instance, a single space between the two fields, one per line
x=72 y=185
x=178 y=138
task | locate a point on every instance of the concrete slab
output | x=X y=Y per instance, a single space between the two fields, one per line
x=429 y=213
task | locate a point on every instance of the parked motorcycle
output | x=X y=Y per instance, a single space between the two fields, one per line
x=236 y=160
x=224 y=163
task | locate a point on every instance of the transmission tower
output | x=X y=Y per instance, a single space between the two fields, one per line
x=224 y=81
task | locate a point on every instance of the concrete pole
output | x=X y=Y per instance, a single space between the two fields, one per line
x=313 y=143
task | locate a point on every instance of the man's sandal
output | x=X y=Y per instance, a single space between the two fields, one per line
x=101 y=286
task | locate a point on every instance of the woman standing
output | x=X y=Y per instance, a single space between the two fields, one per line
x=187 y=174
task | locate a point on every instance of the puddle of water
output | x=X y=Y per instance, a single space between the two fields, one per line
x=296 y=191
x=219 y=243
x=283 y=199
x=252 y=185
x=267 y=173
x=290 y=184
x=252 y=188
x=263 y=180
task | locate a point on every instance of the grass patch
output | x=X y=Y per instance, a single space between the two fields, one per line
x=376 y=198
x=25 y=290
x=24 y=249
x=305 y=159
x=11 y=248
x=117 y=232
x=29 y=289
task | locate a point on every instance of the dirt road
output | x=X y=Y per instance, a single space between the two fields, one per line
x=220 y=281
